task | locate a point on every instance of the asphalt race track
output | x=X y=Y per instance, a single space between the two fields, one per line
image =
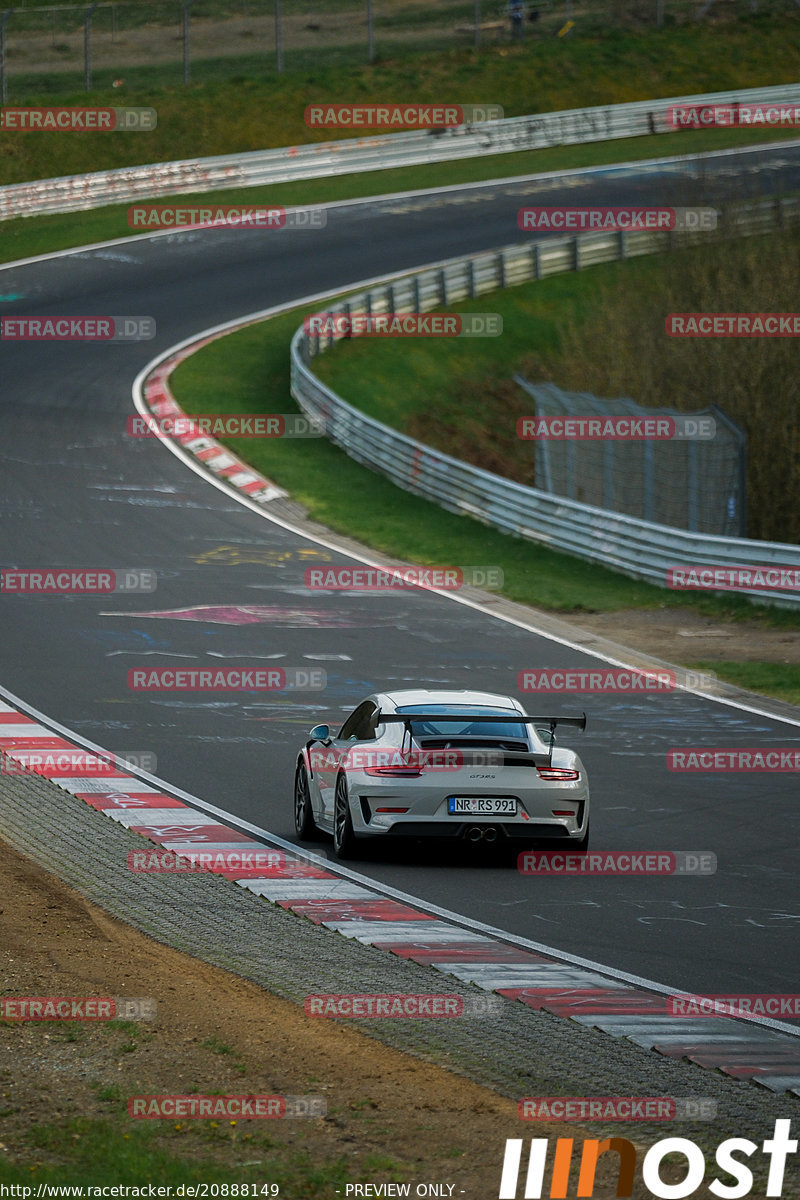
x=77 y=491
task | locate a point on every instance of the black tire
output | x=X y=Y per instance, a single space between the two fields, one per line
x=344 y=839
x=582 y=846
x=304 y=823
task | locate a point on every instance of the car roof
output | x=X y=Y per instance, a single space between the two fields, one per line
x=420 y=697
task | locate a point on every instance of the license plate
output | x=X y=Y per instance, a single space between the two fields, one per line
x=482 y=806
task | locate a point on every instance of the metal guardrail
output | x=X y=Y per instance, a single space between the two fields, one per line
x=638 y=548
x=73 y=193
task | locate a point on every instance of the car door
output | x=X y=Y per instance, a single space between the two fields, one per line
x=328 y=760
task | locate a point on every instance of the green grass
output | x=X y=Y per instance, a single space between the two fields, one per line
x=769 y=679
x=117 y=1150
x=249 y=113
x=26 y=237
x=256 y=110
x=354 y=501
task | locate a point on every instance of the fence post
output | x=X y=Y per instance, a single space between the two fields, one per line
x=187 y=4
x=692 y=498
x=278 y=38
x=648 y=463
x=3 y=84
x=608 y=474
x=87 y=47
x=370 y=32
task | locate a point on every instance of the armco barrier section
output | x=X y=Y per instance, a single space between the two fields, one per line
x=636 y=547
x=72 y=193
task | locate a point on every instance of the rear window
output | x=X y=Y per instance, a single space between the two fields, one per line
x=464 y=727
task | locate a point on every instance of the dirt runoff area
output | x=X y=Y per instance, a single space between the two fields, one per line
x=216 y=1033
x=680 y=635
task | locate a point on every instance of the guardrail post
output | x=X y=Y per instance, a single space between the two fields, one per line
x=537 y=262
x=3 y=84
x=501 y=269
x=471 y=278
x=443 y=287
x=576 y=259
x=622 y=245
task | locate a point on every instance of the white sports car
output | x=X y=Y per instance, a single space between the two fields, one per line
x=453 y=764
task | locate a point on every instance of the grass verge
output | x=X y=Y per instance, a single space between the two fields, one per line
x=115 y=1151
x=256 y=108
x=766 y=678
x=25 y=237
x=354 y=501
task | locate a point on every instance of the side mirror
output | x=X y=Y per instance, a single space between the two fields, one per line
x=547 y=735
x=320 y=733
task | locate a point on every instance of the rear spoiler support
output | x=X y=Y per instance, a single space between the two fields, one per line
x=406 y=719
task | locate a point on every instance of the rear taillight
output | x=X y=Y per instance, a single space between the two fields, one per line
x=561 y=773
x=397 y=772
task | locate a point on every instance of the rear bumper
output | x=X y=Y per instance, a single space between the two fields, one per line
x=459 y=829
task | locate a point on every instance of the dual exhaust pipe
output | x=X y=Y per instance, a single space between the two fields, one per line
x=481 y=833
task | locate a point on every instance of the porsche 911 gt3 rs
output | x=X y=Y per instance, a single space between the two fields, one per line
x=445 y=764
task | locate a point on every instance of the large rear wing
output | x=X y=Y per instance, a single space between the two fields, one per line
x=407 y=719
